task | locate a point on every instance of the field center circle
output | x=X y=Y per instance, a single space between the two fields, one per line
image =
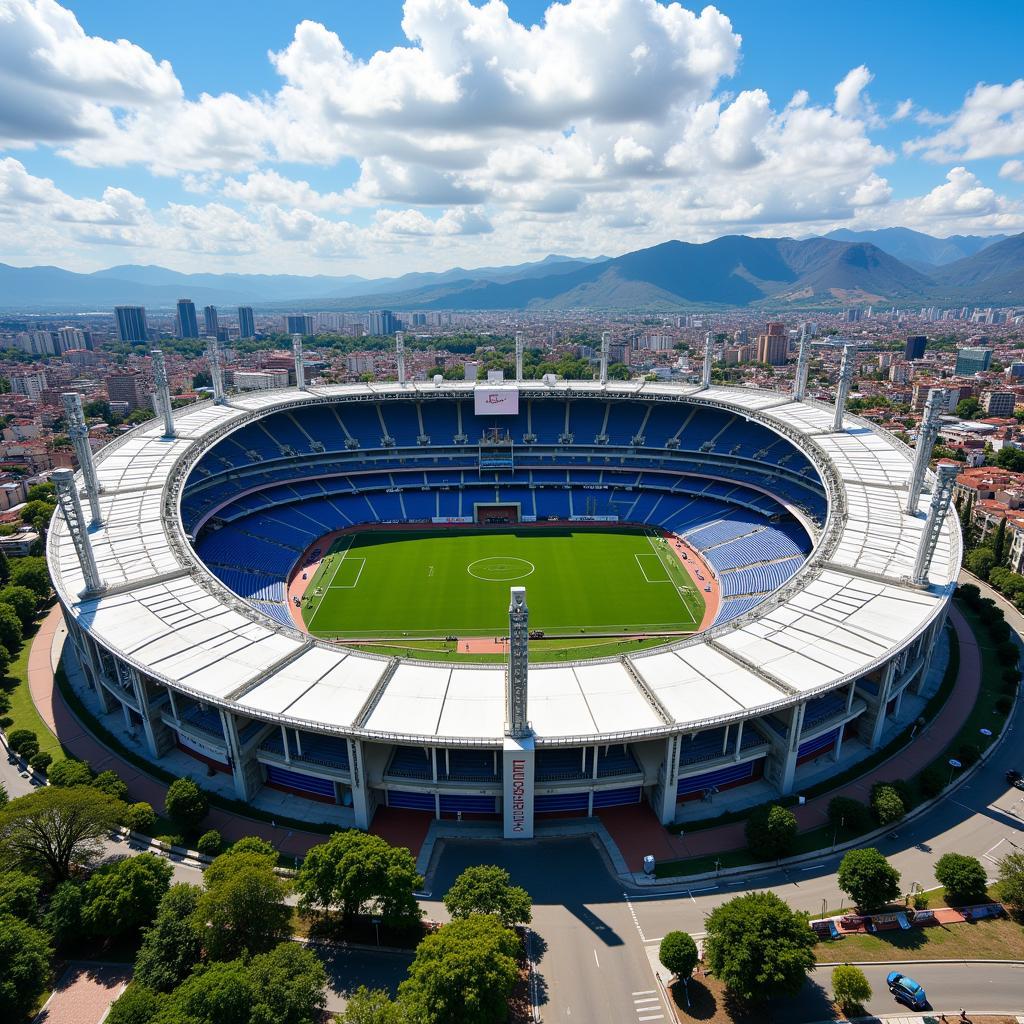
x=500 y=568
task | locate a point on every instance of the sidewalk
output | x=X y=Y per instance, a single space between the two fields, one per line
x=637 y=831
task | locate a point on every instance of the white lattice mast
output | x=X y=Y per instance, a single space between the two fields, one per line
x=163 y=391
x=516 y=723
x=71 y=509
x=803 y=361
x=300 y=366
x=926 y=437
x=520 y=349
x=942 y=498
x=606 y=343
x=400 y=354
x=216 y=371
x=846 y=368
x=79 y=434
x=709 y=356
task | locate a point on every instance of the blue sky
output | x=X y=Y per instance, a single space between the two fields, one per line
x=611 y=125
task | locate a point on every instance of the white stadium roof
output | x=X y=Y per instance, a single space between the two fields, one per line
x=846 y=612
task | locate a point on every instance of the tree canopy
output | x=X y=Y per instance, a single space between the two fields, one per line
x=53 y=828
x=486 y=889
x=964 y=877
x=353 y=870
x=850 y=986
x=123 y=897
x=771 y=832
x=678 y=954
x=172 y=946
x=185 y=803
x=758 y=947
x=868 y=878
x=24 y=966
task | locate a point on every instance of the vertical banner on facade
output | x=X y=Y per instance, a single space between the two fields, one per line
x=518 y=787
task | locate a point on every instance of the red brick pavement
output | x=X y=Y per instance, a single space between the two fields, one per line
x=84 y=994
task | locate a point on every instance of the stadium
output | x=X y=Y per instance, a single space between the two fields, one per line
x=308 y=590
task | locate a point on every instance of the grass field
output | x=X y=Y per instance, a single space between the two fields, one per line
x=404 y=586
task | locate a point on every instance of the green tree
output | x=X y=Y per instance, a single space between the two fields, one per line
x=122 y=897
x=243 y=908
x=186 y=804
x=31 y=572
x=887 y=803
x=136 y=1005
x=771 y=832
x=172 y=946
x=463 y=973
x=678 y=954
x=23 y=601
x=999 y=544
x=353 y=869
x=42 y=492
x=850 y=986
x=52 y=829
x=486 y=889
x=64 y=914
x=758 y=947
x=980 y=561
x=140 y=817
x=968 y=409
x=109 y=782
x=290 y=982
x=215 y=993
x=69 y=772
x=10 y=628
x=370 y=1006
x=1011 y=880
x=210 y=843
x=868 y=878
x=19 y=895
x=964 y=878
x=253 y=844
x=5 y=568
x=24 y=966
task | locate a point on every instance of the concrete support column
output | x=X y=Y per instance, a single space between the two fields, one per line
x=127 y=712
x=361 y=802
x=884 y=689
x=739 y=740
x=158 y=736
x=787 y=765
x=95 y=674
x=245 y=767
x=666 y=792
x=287 y=750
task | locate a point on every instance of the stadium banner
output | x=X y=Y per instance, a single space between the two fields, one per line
x=496 y=401
x=528 y=519
x=593 y=519
x=451 y=519
x=213 y=753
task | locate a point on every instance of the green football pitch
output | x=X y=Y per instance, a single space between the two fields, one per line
x=407 y=586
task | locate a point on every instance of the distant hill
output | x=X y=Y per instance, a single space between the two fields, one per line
x=915 y=248
x=735 y=270
x=51 y=288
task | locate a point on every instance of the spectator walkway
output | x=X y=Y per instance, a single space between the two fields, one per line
x=84 y=993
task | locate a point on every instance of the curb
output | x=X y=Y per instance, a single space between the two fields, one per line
x=889 y=963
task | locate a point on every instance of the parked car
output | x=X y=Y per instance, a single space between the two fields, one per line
x=1014 y=778
x=906 y=990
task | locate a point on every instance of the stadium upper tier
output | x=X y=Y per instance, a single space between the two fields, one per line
x=752 y=478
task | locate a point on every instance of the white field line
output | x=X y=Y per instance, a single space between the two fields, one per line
x=657 y=554
x=638 y=558
x=319 y=607
x=355 y=582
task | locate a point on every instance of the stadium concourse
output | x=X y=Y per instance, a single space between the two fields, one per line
x=834 y=596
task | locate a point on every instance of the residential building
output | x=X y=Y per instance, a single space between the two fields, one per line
x=260 y=380
x=773 y=345
x=246 y=322
x=916 y=344
x=188 y=325
x=210 y=319
x=126 y=388
x=970 y=361
x=999 y=403
x=381 y=322
x=31 y=384
x=131 y=323
x=299 y=323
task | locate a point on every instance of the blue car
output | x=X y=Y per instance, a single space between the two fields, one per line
x=906 y=990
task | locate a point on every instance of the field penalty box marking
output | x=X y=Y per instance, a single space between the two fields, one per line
x=359 y=572
x=679 y=591
x=342 y=553
x=661 y=565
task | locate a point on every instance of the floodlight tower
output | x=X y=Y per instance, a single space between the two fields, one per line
x=79 y=434
x=606 y=341
x=216 y=373
x=163 y=391
x=803 y=360
x=942 y=497
x=846 y=368
x=400 y=353
x=926 y=435
x=520 y=348
x=519 y=750
x=71 y=509
x=709 y=356
x=300 y=366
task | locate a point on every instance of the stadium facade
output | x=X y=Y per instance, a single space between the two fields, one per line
x=835 y=563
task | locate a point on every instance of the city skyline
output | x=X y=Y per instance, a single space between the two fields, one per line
x=387 y=138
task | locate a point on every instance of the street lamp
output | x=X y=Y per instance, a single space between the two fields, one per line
x=376 y=928
x=953 y=765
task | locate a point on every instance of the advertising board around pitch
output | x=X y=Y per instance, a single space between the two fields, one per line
x=496 y=401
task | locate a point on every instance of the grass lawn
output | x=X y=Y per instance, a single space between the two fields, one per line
x=23 y=712
x=581 y=584
x=1001 y=939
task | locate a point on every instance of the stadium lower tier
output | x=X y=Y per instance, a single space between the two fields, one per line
x=361 y=773
x=753 y=543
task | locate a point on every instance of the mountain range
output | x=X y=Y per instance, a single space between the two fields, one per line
x=890 y=266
